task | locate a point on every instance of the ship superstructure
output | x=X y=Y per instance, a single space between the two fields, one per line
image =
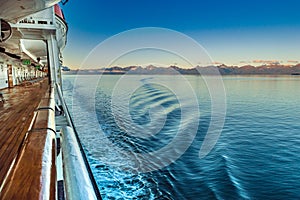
x=41 y=156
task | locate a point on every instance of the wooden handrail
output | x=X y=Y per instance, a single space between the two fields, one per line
x=46 y=103
x=45 y=119
x=33 y=176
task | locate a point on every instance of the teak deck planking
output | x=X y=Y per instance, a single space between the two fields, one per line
x=16 y=114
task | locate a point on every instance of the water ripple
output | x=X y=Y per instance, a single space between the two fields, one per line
x=257 y=156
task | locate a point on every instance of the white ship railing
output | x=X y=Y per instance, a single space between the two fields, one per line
x=78 y=177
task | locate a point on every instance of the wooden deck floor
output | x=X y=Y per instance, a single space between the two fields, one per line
x=16 y=114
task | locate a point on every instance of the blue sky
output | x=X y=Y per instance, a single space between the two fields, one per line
x=233 y=32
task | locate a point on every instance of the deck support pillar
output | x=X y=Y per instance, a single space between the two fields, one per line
x=53 y=52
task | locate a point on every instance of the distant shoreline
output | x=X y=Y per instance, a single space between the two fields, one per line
x=209 y=70
x=83 y=73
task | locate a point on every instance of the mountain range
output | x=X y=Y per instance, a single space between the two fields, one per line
x=223 y=69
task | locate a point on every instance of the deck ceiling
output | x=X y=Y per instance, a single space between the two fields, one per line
x=35 y=49
x=22 y=44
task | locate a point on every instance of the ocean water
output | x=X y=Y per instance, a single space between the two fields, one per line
x=122 y=121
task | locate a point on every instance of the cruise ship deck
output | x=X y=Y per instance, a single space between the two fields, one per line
x=22 y=113
x=41 y=156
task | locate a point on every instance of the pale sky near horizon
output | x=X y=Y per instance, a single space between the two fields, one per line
x=232 y=32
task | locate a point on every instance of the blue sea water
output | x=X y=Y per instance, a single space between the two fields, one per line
x=257 y=155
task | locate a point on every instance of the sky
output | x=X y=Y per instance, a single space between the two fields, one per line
x=233 y=32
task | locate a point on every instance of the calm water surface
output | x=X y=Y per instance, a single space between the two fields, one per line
x=256 y=157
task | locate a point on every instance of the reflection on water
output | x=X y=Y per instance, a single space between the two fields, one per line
x=256 y=157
